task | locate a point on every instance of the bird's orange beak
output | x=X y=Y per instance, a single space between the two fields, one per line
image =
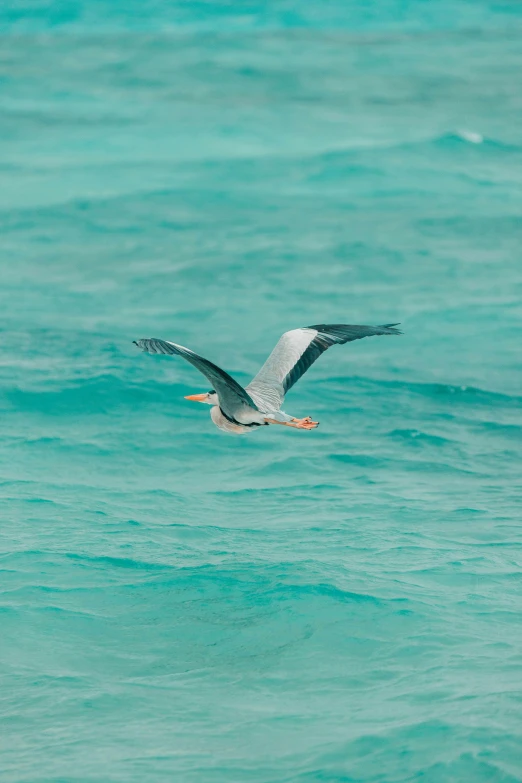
x=197 y=397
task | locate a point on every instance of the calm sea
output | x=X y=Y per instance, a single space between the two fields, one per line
x=336 y=606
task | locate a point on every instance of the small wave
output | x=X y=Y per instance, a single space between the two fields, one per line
x=96 y=394
x=420 y=437
x=472 y=136
x=118 y=562
x=361 y=460
x=462 y=394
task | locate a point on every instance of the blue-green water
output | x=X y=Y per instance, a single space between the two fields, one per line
x=288 y=607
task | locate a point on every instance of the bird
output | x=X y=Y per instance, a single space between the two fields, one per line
x=239 y=410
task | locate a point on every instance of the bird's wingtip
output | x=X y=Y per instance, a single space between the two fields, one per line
x=391 y=328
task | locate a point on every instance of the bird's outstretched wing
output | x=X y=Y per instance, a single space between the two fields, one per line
x=296 y=351
x=232 y=396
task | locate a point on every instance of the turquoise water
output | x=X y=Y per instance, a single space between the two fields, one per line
x=288 y=607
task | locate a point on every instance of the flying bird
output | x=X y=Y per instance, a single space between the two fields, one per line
x=238 y=410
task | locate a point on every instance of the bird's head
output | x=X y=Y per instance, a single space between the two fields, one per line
x=210 y=398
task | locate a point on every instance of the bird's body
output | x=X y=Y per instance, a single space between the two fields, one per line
x=241 y=410
x=252 y=420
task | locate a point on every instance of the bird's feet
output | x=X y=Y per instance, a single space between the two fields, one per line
x=305 y=424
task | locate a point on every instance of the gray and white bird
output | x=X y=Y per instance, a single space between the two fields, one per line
x=238 y=410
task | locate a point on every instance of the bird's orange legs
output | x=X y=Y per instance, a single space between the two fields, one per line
x=299 y=424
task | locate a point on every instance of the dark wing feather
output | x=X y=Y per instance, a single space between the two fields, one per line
x=232 y=396
x=328 y=335
x=296 y=351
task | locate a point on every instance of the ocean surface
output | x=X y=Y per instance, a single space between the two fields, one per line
x=335 y=606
